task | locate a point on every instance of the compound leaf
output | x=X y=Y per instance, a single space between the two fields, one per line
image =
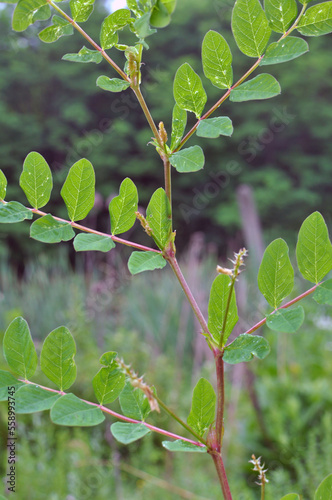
x=123 y=208
x=263 y=86
x=188 y=90
x=276 y=274
x=245 y=347
x=127 y=433
x=49 y=230
x=57 y=357
x=286 y=320
x=78 y=191
x=203 y=407
x=19 y=350
x=145 y=261
x=250 y=27
x=36 y=180
x=314 y=249
x=72 y=411
x=217 y=60
x=188 y=160
x=217 y=309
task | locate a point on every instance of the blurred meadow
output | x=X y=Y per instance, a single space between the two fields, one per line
x=278 y=408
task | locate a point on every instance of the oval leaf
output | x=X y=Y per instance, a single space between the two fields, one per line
x=180 y=445
x=158 y=216
x=57 y=357
x=188 y=90
x=314 y=249
x=49 y=230
x=324 y=490
x=280 y=14
x=31 y=398
x=214 y=127
x=123 y=208
x=250 y=27
x=317 y=20
x=134 y=403
x=261 y=87
x=276 y=274
x=217 y=309
x=145 y=261
x=13 y=211
x=323 y=293
x=179 y=122
x=203 y=407
x=7 y=382
x=3 y=185
x=217 y=60
x=78 y=191
x=108 y=384
x=85 y=242
x=245 y=347
x=112 y=84
x=285 y=50
x=188 y=160
x=84 y=56
x=28 y=11
x=127 y=433
x=19 y=350
x=72 y=411
x=114 y=22
x=81 y=9
x=61 y=27
x=286 y=320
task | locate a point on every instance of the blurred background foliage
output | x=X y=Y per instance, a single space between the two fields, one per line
x=281 y=148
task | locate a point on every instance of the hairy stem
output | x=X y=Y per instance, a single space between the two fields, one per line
x=219 y=464
x=289 y=304
x=119 y=416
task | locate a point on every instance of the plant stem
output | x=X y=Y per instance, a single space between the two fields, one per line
x=220 y=398
x=178 y=273
x=179 y=420
x=219 y=464
x=119 y=416
x=167 y=177
x=90 y=40
x=93 y=231
x=296 y=22
x=289 y=304
x=231 y=288
x=146 y=111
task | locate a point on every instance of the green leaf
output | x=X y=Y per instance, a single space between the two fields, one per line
x=7 y=381
x=31 y=398
x=127 y=433
x=72 y=411
x=28 y=11
x=19 y=350
x=291 y=496
x=57 y=357
x=49 y=230
x=81 y=9
x=84 y=56
x=280 y=14
x=217 y=308
x=108 y=384
x=286 y=320
x=158 y=216
x=112 y=84
x=323 y=293
x=317 y=20
x=3 y=185
x=324 y=490
x=179 y=122
x=203 y=407
x=114 y=22
x=85 y=242
x=188 y=160
x=263 y=86
x=314 y=249
x=8 y=1
x=36 y=180
x=214 y=127
x=13 y=211
x=276 y=274
x=134 y=403
x=60 y=27
x=245 y=347
x=160 y=16
x=170 y=5
x=145 y=261
x=180 y=445
x=108 y=359
x=142 y=26
x=287 y=49
x=250 y=27
x=78 y=191
x=123 y=208
x=217 y=60
x=188 y=90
